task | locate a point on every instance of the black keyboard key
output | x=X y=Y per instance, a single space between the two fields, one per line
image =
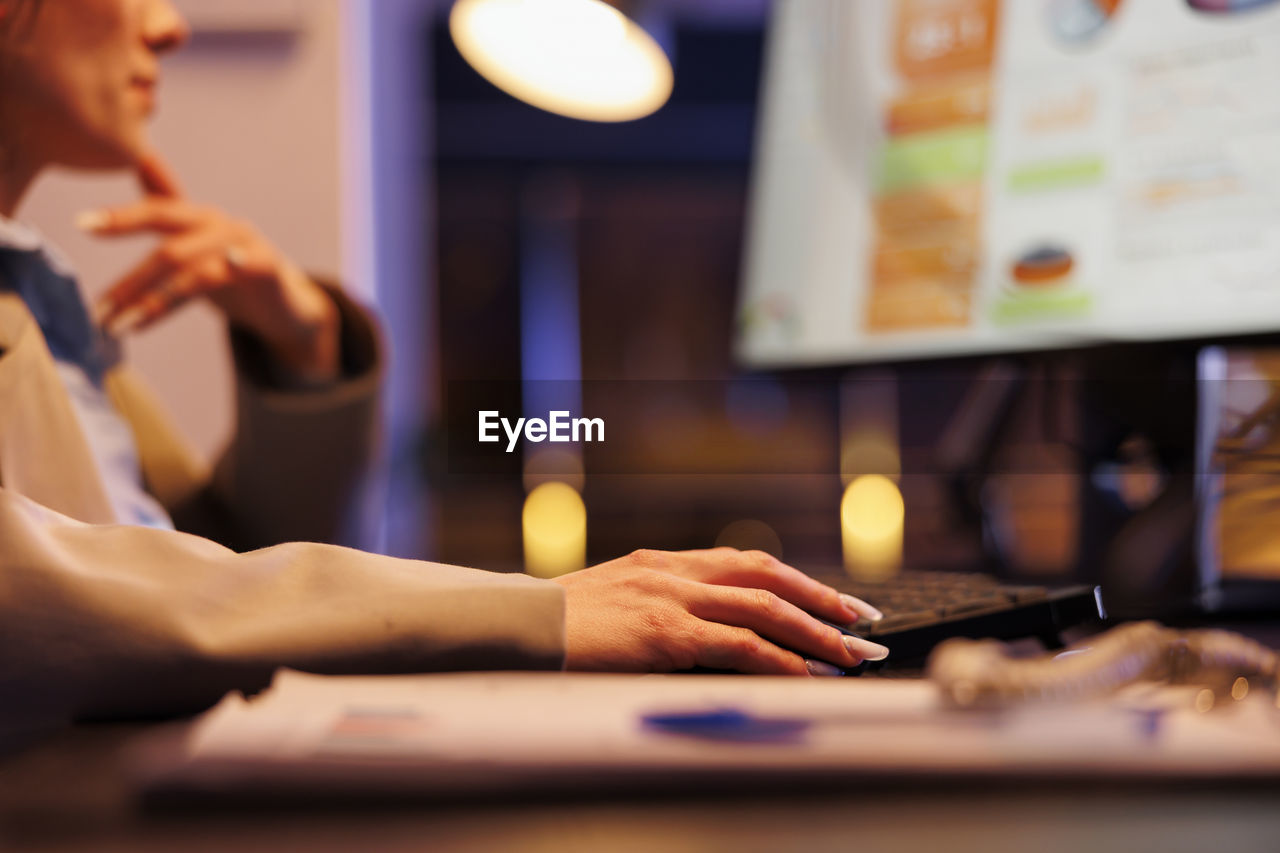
x=973 y=605
x=897 y=621
x=1025 y=593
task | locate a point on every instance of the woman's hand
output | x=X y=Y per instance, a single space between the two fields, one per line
x=654 y=611
x=205 y=253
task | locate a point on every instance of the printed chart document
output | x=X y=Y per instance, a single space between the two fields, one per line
x=482 y=732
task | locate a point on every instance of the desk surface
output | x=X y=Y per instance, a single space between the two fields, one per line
x=71 y=792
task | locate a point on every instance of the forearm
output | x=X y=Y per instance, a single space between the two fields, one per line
x=123 y=621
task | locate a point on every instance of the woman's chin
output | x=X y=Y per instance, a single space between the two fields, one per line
x=109 y=154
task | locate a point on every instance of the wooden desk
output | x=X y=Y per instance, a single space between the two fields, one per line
x=71 y=792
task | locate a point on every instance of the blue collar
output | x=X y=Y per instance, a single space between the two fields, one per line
x=52 y=296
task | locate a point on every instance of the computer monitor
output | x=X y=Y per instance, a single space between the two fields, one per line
x=938 y=178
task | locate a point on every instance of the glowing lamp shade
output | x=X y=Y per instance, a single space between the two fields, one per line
x=579 y=58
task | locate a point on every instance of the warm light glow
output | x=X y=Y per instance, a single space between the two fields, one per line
x=869 y=451
x=872 y=514
x=555 y=531
x=750 y=535
x=543 y=464
x=579 y=58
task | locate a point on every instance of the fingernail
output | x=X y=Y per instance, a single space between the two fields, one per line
x=126 y=321
x=92 y=220
x=865 y=649
x=857 y=605
x=820 y=669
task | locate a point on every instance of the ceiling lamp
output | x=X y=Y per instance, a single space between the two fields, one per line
x=580 y=58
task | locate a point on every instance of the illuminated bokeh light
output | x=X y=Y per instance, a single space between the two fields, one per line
x=555 y=530
x=872 y=515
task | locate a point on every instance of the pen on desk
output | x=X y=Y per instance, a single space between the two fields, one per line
x=728 y=724
x=737 y=725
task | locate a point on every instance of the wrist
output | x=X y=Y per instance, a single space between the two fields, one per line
x=308 y=350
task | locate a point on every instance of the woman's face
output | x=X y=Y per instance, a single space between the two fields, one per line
x=78 y=85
